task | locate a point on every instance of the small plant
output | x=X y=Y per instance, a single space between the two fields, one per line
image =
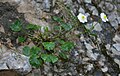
x=37 y=58
x=33 y=54
x=49 y=45
x=17 y=26
x=21 y=39
x=32 y=27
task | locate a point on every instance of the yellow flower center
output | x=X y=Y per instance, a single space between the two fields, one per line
x=83 y=17
x=105 y=17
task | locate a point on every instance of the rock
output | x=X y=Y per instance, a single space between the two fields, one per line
x=98 y=73
x=56 y=11
x=53 y=3
x=108 y=0
x=35 y=72
x=101 y=63
x=86 y=59
x=92 y=55
x=46 y=5
x=89 y=67
x=115 y=49
x=114 y=24
x=93 y=10
x=116 y=38
x=68 y=2
x=3 y=49
x=117 y=46
x=16 y=61
x=107 y=46
x=97 y=26
x=109 y=6
x=118 y=19
x=2 y=29
x=104 y=69
x=46 y=68
x=112 y=16
x=117 y=61
x=12 y=2
x=87 y=1
x=88 y=46
x=38 y=1
x=81 y=10
x=31 y=19
x=3 y=66
x=88 y=25
x=49 y=74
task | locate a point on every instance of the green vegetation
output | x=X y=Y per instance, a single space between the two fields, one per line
x=51 y=45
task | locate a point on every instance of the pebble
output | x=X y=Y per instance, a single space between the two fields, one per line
x=117 y=61
x=88 y=46
x=87 y=1
x=46 y=5
x=116 y=38
x=89 y=67
x=81 y=10
x=114 y=24
x=104 y=69
x=117 y=46
x=97 y=26
x=3 y=66
x=107 y=46
x=109 y=6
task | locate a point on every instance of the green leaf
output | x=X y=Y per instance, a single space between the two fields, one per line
x=63 y=55
x=35 y=50
x=66 y=26
x=45 y=57
x=67 y=46
x=53 y=58
x=16 y=26
x=58 y=19
x=21 y=39
x=49 y=45
x=35 y=61
x=26 y=51
x=49 y=58
x=57 y=28
x=61 y=41
x=92 y=34
x=32 y=27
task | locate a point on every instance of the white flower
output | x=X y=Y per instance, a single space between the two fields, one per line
x=103 y=17
x=82 y=18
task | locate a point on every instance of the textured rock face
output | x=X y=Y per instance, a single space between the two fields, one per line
x=88 y=58
x=10 y=59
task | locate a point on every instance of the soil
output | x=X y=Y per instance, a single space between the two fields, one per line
x=8 y=73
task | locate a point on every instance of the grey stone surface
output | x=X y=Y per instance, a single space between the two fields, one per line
x=117 y=46
x=87 y=1
x=81 y=10
x=46 y=5
x=10 y=59
x=97 y=26
x=114 y=24
x=116 y=38
x=89 y=52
